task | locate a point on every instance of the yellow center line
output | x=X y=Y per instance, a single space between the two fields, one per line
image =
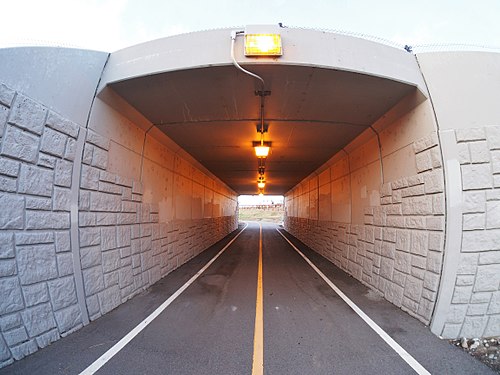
x=258 y=338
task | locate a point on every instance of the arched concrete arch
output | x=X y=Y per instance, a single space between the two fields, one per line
x=325 y=90
x=117 y=168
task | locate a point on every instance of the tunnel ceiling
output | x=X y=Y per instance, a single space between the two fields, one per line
x=212 y=113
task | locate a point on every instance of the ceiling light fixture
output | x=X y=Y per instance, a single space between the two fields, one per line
x=261 y=182
x=261 y=148
x=262 y=165
x=261 y=151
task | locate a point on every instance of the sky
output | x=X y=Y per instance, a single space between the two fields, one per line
x=109 y=25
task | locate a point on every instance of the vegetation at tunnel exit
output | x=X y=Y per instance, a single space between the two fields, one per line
x=265 y=213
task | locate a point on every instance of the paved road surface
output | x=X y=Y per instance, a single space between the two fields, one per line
x=210 y=327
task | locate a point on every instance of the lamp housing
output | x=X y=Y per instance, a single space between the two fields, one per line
x=261 y=148
x=261 y=151
x=263 y=45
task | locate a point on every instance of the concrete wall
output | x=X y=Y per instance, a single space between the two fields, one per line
x=469 y=120
x=33 y=70
x=378 y=210
x=92 y=212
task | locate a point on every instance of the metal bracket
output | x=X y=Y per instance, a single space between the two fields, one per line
x=262 y=93
x=259 y=129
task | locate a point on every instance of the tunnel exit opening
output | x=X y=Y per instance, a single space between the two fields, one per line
x=267 y=208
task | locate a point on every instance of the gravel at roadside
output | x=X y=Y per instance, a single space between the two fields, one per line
x=486 y=350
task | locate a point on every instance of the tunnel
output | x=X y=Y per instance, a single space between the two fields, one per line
x=118 y=168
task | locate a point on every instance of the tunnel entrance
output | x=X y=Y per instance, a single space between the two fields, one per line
x=317 y=97
x=354 y=148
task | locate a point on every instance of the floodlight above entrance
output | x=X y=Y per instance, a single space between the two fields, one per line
x=263 y=45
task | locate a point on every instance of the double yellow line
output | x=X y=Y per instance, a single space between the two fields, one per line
x=258 y=339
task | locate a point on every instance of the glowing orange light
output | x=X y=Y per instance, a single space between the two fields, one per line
x=263 y=45
x=261 y=151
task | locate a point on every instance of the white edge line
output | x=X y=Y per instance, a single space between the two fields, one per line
x=419 y=369
x=101 y=361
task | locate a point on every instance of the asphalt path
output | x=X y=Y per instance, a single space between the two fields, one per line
x=209 y=327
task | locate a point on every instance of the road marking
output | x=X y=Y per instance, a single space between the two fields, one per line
x=258 y=339
x=101 y=361
x=419 y=369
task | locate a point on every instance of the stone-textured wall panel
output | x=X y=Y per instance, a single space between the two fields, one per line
x=477 y=285
x=399 y=248
x=124 y=247
x=36 y=162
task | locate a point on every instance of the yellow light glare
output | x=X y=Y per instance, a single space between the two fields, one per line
x=263 y=45
x=261 y=184
x=261 y=151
